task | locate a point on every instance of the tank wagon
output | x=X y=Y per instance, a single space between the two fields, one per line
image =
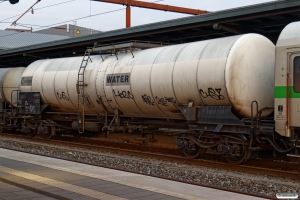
x=215 y=94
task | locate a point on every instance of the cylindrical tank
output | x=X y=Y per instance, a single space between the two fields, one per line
x=56 y=80
x=231 y=71
x=3 y=72
x=10 y=81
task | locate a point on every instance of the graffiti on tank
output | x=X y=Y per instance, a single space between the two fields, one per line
x=123 y=94
x=170 y=100
x=147 y=99
x=161 y=101
x=212 y=93
x=165 y=100
x=62 y=96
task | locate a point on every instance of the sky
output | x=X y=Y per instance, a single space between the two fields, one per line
x=106 y=16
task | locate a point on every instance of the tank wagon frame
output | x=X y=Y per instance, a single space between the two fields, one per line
x=233 y=95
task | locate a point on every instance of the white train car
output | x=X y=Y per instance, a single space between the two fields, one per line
x=229 y=71
x=287 y=82
x=219 y=92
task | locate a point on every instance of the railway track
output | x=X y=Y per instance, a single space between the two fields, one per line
x=288 y=170
x=274 y=169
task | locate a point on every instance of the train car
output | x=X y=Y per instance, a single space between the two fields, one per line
x=216 y=94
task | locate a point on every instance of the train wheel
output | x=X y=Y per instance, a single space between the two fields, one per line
x=244 y=153
x=238 y=159
x=194 y=152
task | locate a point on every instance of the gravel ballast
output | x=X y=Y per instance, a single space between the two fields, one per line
x=253 y=184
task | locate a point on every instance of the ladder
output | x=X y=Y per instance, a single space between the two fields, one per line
x=80 y=89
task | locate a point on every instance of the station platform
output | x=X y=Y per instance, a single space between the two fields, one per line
x=27 y=176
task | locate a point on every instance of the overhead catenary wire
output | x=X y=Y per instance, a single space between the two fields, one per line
x=57 y=28
x=51 y=25
x=2 y=21
x=30 y=8
x=81 y=18
x=42 y=27
x=38 y=9
x=84 y=17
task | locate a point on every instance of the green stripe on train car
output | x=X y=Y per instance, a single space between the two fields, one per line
x=280 y=92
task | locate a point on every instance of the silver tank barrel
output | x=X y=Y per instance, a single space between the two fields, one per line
x=231 y=71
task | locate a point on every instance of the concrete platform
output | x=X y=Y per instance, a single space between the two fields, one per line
x=26 y=176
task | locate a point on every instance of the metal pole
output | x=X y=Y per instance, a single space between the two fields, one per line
x=128 y=17
x=15 y=22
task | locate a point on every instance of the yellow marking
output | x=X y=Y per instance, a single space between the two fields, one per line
x=100 y=177
x=59 y=184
